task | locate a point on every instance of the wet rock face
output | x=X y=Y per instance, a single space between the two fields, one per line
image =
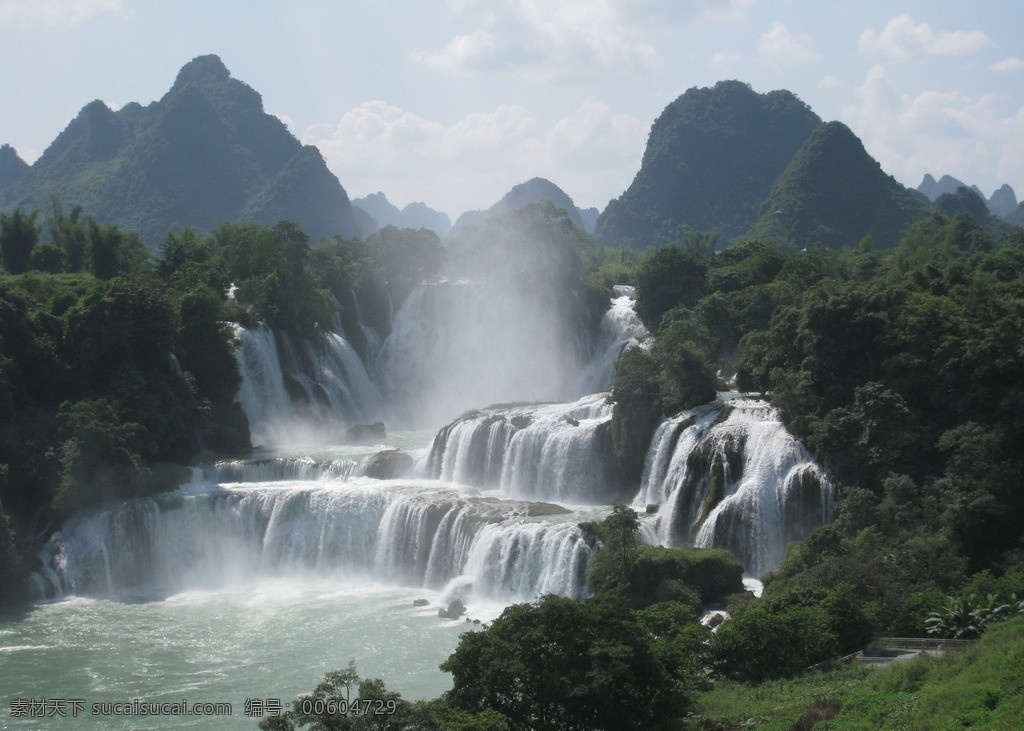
x=388 y=465
x=365 y=433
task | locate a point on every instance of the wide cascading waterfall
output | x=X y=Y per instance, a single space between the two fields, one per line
x=559 y=452
x=621 y=328
x=403 y=532
x=731 y=476
x=301 y=392
x=460 y=346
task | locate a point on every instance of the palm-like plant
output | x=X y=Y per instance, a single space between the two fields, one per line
x=966 y=619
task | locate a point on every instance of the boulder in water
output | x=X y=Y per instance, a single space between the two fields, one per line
x=420 y=602
x=521 y=421
x=455 y=610
x=388 y=465
x=365 y=433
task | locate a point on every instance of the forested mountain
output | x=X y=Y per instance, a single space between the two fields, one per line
x=415 y=215
x=834 y=193
x=11 y=166
x=535 y=190
x=710 y=161
x=204 y=153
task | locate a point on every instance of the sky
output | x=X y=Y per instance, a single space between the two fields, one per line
x=452 y=103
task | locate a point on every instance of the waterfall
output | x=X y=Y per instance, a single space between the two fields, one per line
x=370 y=336
x=276 y=469
x=731 y=476
x=406 y=533
x=558 y=452
x=305 y=392
x=620 y=329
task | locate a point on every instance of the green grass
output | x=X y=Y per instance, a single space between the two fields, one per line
x=978 y=688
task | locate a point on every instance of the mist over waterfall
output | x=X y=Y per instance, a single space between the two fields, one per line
x=460 y=346
x=731 y=476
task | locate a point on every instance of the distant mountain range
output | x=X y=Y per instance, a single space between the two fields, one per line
x=204 y=153
x=381 y=212
x=731 y=160
x=725 y=159
x=1002 y=203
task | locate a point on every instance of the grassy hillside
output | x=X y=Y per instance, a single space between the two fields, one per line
x=979 y=688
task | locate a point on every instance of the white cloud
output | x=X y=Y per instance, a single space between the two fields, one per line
x=978 y=138
x=472 y=162
x=780 y=48
x=725 y=60
x=1013 y=63
x=902 y=38
x=564 y=39
x=54 y=12
x=462 y=52
x=28 y=154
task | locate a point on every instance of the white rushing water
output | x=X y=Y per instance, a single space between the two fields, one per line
x=730 y=476
x=302 y=394
x=549 y=452
x=263 y=573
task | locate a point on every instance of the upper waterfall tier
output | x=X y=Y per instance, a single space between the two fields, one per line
x=404 y=533
x=305 y=392
x=559 y=452
x=731 y=476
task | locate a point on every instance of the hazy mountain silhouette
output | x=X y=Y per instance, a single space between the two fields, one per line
x=1003 y=201
x=535 y=190
x=415 y=215
x=204 y=153
x=711 y=158
x=946 y=184
x=12 y=167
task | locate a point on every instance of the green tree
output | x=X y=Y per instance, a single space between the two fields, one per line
x=13 y=574
x=668 y=277
x=637 y=396
x=98 y=457
x=19 y=234
x=566 y=665
x=343 y=701
x=69 y=233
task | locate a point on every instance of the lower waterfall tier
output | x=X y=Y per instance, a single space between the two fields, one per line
x=400 y=532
